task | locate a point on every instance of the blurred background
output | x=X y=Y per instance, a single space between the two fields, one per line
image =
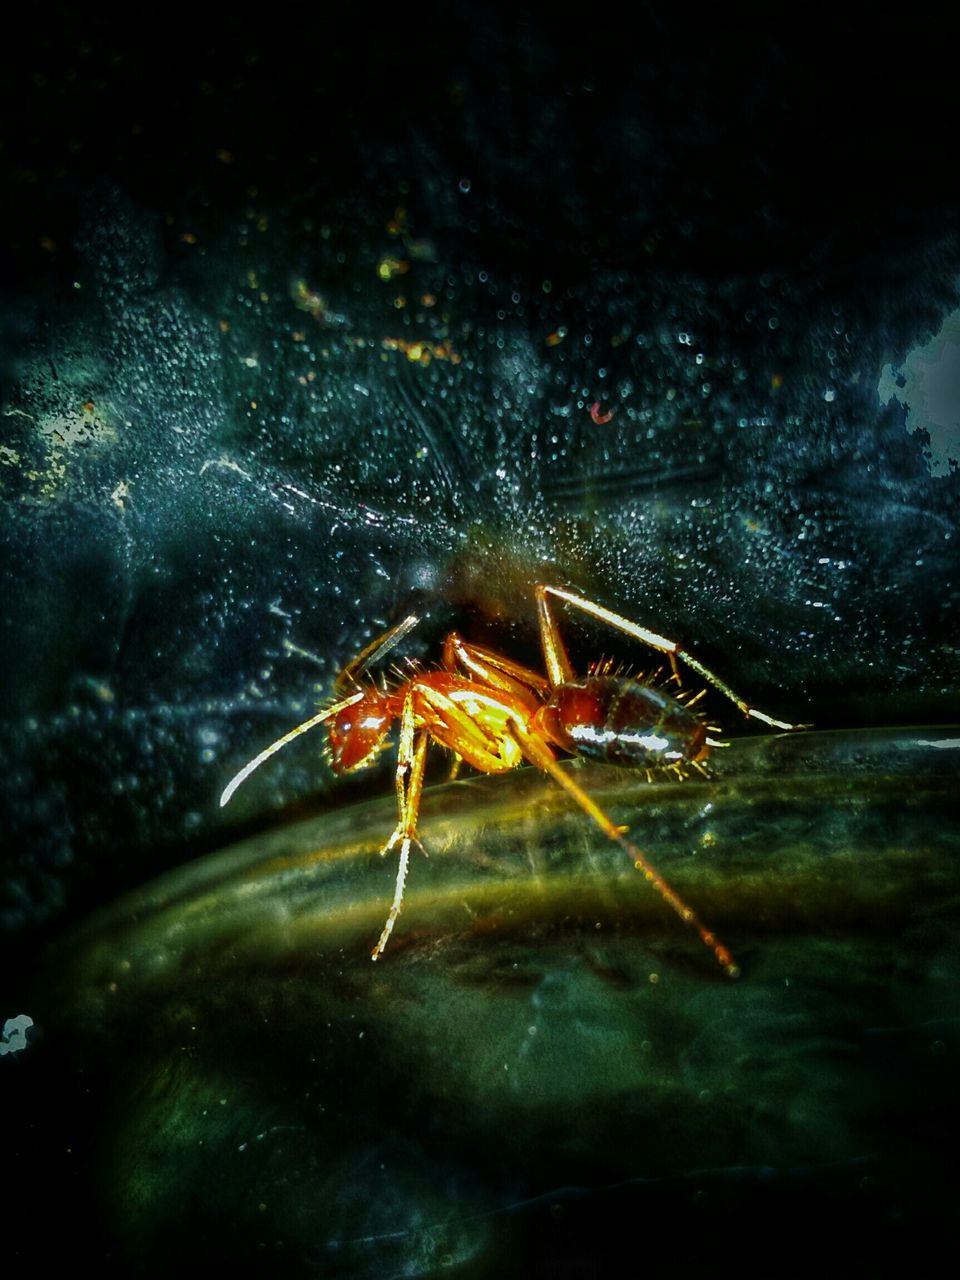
x=311 y=320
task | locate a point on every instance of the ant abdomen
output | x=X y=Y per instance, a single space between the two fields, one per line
x=621 y=721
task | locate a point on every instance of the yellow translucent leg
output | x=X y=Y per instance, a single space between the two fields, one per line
x=411 y=759
x=559 y=670
x=539 y=754
x=491 y=668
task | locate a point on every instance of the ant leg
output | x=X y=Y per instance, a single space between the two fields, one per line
x=410 y=765
x=374 y=651
x=274 y=747
x=480 y=744
x=490 y=668
x=555 y=659
x=539 y=753
x=558 y=664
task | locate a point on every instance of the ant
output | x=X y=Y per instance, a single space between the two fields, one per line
x=494 y=714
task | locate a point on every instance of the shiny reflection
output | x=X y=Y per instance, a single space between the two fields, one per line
x=778 y=837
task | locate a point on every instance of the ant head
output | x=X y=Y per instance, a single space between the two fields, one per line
x=358 y=733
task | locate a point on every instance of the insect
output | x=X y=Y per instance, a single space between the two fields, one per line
x=494 y=714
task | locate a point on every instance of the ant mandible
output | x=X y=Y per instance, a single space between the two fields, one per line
x=494 y=714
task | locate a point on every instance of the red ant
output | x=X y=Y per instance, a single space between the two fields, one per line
x=494 y=714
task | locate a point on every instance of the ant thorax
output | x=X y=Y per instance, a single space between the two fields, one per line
x=622 y=721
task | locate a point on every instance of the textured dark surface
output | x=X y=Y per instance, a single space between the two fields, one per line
x=235 y=441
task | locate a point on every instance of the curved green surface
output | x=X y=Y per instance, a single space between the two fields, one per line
x=545 y=1055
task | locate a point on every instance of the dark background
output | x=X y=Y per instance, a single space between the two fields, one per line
x=224 y=474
